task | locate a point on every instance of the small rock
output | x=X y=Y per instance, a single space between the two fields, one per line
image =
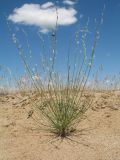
x=108 y=115
x=10 y=124
x=115 y=107
x=103 y=107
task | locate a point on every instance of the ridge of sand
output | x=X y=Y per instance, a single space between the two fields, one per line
x=99 y=139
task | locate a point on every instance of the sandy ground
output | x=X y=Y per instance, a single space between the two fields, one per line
x=98 y=138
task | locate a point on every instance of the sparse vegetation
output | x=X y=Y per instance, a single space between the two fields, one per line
x=55 y=103
x=62 y=102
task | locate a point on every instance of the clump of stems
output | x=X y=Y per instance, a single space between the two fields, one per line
x=61 y=104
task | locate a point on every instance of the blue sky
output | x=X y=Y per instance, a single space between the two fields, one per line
x=108 y=47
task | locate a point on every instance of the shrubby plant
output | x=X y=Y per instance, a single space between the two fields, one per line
x=61 y=104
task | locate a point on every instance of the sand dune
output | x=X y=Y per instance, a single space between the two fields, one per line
x=96 y=138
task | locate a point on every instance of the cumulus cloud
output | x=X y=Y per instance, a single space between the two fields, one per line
x=47 y=5
x=43 y=16
x=69 y=2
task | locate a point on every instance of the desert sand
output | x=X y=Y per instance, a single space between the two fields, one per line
x=97 y=137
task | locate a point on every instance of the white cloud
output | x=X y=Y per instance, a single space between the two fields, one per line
x=47 y=5
x=69 y=2
x=44 y=30
x=43 y=16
